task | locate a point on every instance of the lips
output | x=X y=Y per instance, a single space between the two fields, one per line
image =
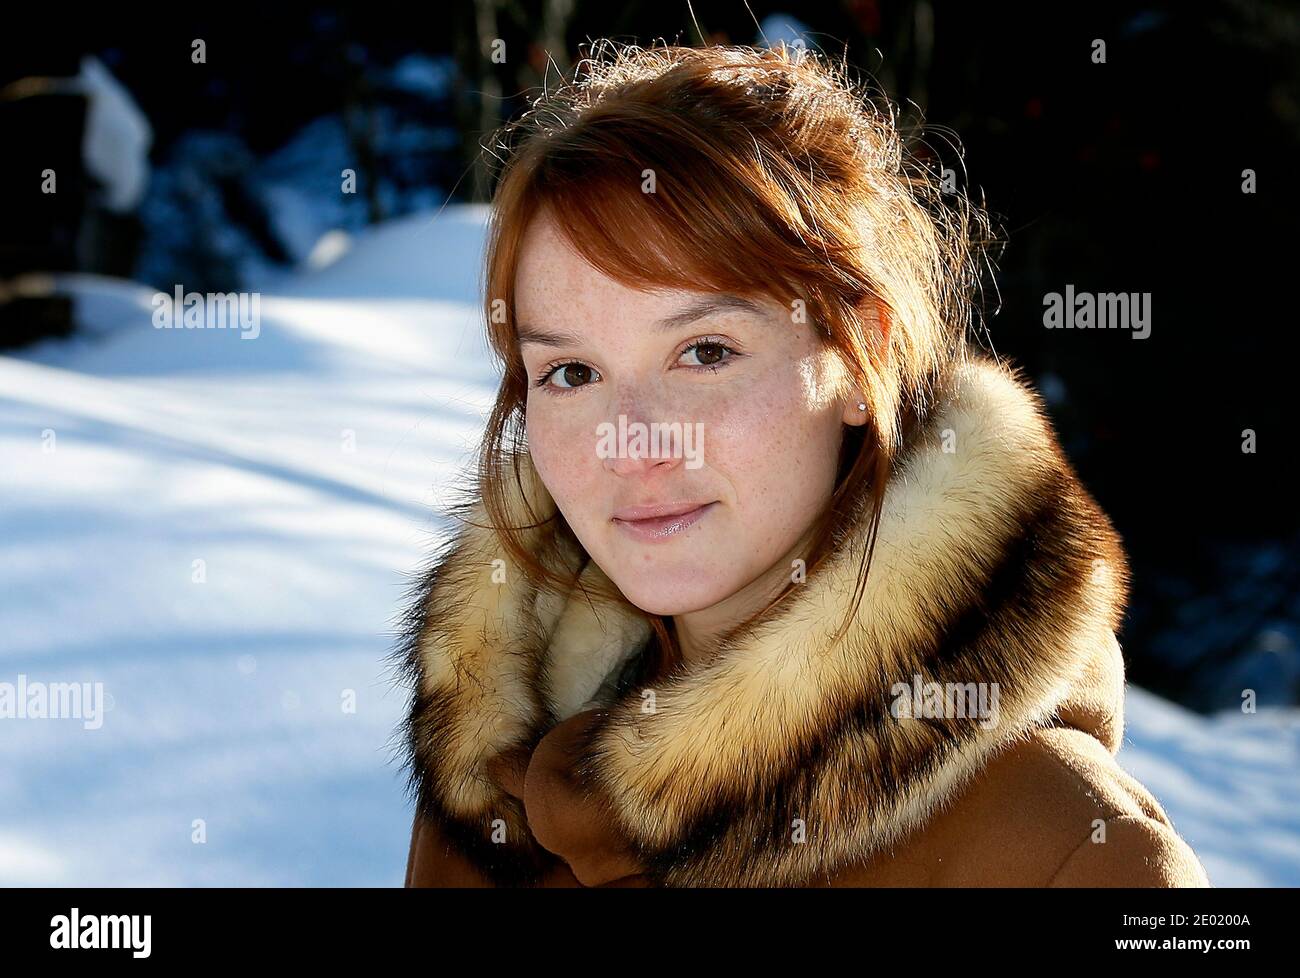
x=656 y=510
x=660 y=521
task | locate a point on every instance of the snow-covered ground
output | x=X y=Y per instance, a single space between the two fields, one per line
x=220 y=530
x=1231 y=784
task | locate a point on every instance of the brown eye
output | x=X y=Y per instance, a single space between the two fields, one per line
x=573 y=375
x=708 y=354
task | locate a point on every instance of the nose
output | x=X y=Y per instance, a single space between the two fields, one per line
x=633 y=444
x=637 y=466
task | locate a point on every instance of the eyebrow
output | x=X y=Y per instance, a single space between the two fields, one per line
x=693 y=311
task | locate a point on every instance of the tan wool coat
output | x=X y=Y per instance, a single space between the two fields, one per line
x=962 y=733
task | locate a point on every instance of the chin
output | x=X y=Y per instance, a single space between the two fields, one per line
x=663 y=593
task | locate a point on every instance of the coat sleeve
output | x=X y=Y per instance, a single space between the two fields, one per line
x=569 y=820
x=432 y=862
x=1138 y=852
x=562 y=820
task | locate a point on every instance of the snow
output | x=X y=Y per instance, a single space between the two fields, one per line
x=1230 y=783
x=172 y=446
x=222 y=535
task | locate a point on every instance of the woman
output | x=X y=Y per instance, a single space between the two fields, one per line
x=859 y=629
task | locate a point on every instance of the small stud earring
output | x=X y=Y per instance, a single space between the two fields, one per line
x=862 y=405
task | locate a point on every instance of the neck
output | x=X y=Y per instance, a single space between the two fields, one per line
x=700 y=633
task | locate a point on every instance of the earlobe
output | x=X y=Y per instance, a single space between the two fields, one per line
x=856 y=412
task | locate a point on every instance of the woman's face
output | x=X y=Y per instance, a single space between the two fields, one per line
x=752 y=393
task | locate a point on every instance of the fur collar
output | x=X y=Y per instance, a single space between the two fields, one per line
x=992 y=565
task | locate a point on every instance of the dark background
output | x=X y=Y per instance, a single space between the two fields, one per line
x=1116 y=177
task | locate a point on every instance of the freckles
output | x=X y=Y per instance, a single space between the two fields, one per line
x=777 y=418
x=773 y=446
x=749 y=412
x=567 y=439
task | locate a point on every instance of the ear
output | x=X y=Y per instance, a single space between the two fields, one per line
x=853 y=414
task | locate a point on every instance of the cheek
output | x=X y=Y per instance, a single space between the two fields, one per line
x=562 y=442
x=778 y=445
